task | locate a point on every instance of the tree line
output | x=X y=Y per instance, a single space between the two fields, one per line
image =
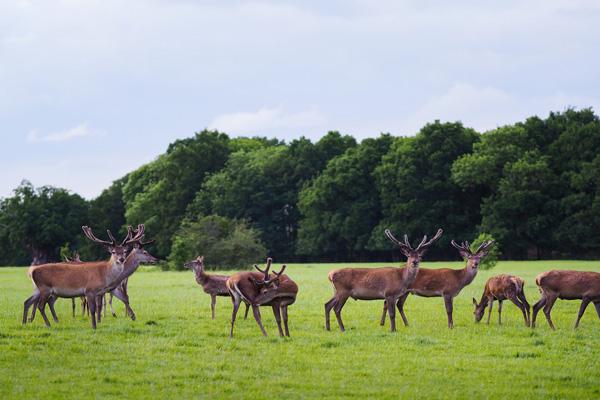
x=533 y=186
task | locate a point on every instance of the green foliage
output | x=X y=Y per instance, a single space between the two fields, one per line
x=36 y=222
x=158 y=193
x=493 y=255
x=416 y=191
x=342 y=206
x=262 y=186
x=174 y=350
x=225 y=244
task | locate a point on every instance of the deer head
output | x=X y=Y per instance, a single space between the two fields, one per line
x=267 y=282
x=136 y=239
x=117 y=251
x=479 y=310
x=413 y=255
x=195 y=264
x=473 y=258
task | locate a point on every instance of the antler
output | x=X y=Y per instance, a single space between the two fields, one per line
x=266 y=270
x=90 y=235
x=425 y=244
x=390 y=236
x=278 y=274
x=464 y=246
x=134 y=237
x=484 y=246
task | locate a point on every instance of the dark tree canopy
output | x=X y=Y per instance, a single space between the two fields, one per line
x=534 y=186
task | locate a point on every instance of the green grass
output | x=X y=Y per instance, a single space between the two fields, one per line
x=174 y=349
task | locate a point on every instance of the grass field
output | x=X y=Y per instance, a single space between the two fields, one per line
x=174 y=349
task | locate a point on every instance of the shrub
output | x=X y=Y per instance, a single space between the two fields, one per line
x=491 y=259
x=225 y=243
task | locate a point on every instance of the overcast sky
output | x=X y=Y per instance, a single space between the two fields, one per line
x=90 y=90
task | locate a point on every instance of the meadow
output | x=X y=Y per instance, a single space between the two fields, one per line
x=175 y=350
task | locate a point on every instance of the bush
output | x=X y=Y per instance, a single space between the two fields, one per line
x=491 y=259
x=225 y=244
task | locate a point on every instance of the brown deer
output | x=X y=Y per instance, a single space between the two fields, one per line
x=276 y=289
x=502 y=287
x=444 y=282
x=377 y=283
x=93 y=280
x=567 y=285
x=212 y=284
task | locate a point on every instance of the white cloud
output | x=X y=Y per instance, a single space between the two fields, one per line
x=266 y=120
x=63 y=136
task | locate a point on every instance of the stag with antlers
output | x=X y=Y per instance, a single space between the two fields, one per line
x=91 y=279
x=377 y=283
x=444 y=282
x=263 y=289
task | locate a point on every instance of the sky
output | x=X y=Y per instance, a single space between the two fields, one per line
x=91 y=90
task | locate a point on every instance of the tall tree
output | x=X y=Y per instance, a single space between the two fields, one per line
x=416 y=191
x=37 y=222
x=158 y=193
x=342 y=206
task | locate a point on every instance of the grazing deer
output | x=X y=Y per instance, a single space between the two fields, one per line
x=444 y=282
x=377 y=283
x=567 y=285
x=93 y=280
x=250 y=286
x=212 y=284
x=502 y=287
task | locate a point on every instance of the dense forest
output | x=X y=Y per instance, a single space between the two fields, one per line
x=534 y=186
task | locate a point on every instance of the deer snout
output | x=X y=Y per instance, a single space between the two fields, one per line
x=121 y=260
x=415 y=263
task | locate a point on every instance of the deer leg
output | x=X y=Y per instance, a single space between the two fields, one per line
x=236 y=305
x=110 y=299
x=597 y=305
x=99 y=308
x=500 y=312
x=536 y=308
x=213 y=301
x=247 y=309
x=547 y=308
x=104 y=303
x=51 y=302
x=382 y=322
x=256 y=312
x=91 y=303
x=391 y=304
x=119 y=294
x=448 y=303
x=33 y=311
x=337 y=309
x=523 y=299
x=584 y=303
x=277 y=313
x=73 y=305
x=490 y=304
x=521 y=306
x=42 y=307
x=30 y=300
x=328 y=306
x=284 y=314
x=400 y=305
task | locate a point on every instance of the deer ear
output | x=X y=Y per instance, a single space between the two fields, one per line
x=474 y=302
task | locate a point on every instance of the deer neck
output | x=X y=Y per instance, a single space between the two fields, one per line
x=409 y=274
x=468 y=274
x=115 y=270
x=201 y=276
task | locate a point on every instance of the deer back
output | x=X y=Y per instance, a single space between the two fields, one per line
x=372 y=283
x=570 y=284
x=66 y=279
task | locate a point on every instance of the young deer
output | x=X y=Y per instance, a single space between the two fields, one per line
x=92 y=280
x=377 y=283
x=250 y=286
x=567 y=285
x=502 y=287
x=212 y=284
x=444 y=282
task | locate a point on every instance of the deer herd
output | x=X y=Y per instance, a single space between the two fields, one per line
x=91 y=281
